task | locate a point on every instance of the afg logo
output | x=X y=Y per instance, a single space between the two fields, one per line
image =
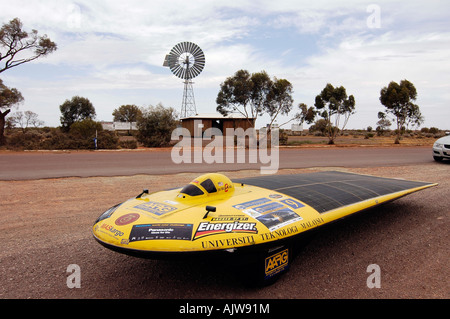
x=276 y=263
x=156 y=208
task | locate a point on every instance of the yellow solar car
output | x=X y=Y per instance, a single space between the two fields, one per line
x=253 y=218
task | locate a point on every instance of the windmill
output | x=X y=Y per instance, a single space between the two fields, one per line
x=186 y=60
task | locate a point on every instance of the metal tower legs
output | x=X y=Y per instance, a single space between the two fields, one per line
x=188 y=105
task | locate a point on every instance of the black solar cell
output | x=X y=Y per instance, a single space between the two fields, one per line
x=325 y=191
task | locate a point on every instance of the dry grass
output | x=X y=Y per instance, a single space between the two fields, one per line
x=359 y=140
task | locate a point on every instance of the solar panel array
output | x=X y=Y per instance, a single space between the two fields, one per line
x=325 y=191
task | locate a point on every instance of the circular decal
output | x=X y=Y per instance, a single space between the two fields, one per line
x=274 y=196
x=127 y=219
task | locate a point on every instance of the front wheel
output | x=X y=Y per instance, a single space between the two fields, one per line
x=438 y=158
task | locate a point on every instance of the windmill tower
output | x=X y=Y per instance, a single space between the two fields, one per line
x=186 y=60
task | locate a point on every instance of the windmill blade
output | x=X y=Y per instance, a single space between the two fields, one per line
x=185 y=47
x=178 y=49
x=191 y=47
x=200 y=63
x=179 y=72
x=196 y=69
x=197 y=52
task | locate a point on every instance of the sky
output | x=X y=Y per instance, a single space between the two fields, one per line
x=112 y=52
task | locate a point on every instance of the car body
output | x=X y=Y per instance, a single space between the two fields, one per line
x=441 y=148
x=254 y=219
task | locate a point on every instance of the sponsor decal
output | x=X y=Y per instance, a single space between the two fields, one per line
x=279 y=233
x=127 y=219
x=279 y=218
x=270 y=207
x=276 y=263
x=292 y=203
x=155 y=208
x=251 y=203
x=273 y=214
x=275 y=196
x=161 y=231
x=229 y=242
x=207 y=228
x=312 y=223
x=229 y=218
x=111 y=230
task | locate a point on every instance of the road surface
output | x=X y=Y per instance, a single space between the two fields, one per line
x=37 y=165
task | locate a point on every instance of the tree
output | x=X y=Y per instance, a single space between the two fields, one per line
x=8 y=98
x=25 y=119
x=76 y=109
x=16 y=45
x=415 y=117
x=306 y=114
x=334 y=105
x=398 y=101
x=127 y=113
x=155 y=126
x=319 y=125
x=244 y=93
x=261 y=87
x=279 y=99
x=383 y=123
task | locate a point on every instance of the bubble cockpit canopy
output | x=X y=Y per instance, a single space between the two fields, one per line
x=208 y=185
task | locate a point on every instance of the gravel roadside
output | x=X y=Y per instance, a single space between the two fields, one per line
x=45 y=226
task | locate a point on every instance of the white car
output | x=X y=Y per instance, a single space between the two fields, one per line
x=441 y=148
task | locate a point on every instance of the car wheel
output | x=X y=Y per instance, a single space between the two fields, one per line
x=437 y=158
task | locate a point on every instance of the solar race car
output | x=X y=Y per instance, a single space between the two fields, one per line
x=255 y=218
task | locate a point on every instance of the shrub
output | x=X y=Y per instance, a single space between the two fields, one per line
x=433 y=130
x=55 y=139
x=107 y=140
x=23 y=141
x=155 y=126
x=85 y=129
x=129 y=144
x=283 y=137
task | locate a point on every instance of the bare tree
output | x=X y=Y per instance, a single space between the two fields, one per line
x=25 y=120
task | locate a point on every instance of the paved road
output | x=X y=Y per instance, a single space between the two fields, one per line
x=38 y=165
